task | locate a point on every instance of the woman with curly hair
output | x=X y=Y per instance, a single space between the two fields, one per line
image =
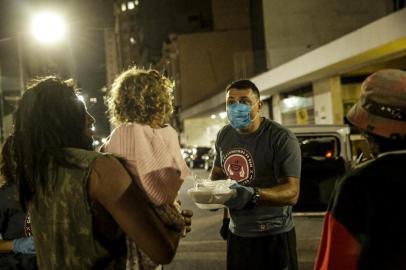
x=140 y=104
x=81 y=203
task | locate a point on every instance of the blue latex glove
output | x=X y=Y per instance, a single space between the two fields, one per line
x=244 y=195
x=24 y=245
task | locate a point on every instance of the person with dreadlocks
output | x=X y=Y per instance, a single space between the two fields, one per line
x=81 y=202
x=140 y=105
x=363 y=227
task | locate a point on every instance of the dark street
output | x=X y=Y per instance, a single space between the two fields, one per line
x=203 y=248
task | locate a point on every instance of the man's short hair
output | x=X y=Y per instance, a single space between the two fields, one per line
x=244 y=84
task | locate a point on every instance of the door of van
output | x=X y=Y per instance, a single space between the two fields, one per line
x=326 y=157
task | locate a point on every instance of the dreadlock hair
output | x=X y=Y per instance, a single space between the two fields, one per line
x=7 y=164
x=49 y=119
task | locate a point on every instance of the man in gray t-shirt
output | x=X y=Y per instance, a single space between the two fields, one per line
x=264 y=158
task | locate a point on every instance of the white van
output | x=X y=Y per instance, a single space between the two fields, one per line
x=326 y=156
x=328 y=152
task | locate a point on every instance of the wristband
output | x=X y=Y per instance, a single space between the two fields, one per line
x=255 y=198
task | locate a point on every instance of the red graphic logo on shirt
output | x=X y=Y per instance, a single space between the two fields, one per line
x=239 y=166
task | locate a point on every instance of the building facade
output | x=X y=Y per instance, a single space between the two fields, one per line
x=317 y=55
x=307 y=58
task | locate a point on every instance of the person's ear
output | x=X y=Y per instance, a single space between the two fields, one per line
x=260 y=105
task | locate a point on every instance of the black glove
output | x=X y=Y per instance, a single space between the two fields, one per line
x=224 y=228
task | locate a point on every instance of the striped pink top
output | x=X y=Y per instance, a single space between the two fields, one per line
x=153 y=157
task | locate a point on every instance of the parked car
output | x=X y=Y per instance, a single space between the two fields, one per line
x=199 y=157
x=328 y=152
x=186 y=153
x=209 y=159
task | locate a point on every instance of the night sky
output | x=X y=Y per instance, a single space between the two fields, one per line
x=81 y=55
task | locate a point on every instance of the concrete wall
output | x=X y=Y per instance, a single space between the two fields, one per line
x=207 y=62
x=351 y=91
x=276 y=108
x=345 y=55
x=295 y=27
x=265 y=110
x=201 y=131
x=328 y=104
x=230 y=14
x=350 y=94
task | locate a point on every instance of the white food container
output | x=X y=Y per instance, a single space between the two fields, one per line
x=208 y=194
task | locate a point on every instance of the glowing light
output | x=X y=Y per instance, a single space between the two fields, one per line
x=329 y=154
x=213 y=116
x=291 y=102
x=48 y=27
x=81 y=98
x=223 y=115
x=131 y=5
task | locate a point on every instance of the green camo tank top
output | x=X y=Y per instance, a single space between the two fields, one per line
x=62 y=221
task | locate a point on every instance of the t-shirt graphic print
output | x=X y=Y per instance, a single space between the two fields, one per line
x=238 y=164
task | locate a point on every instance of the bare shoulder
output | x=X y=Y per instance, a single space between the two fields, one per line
x=108 y=166
x=106 y=163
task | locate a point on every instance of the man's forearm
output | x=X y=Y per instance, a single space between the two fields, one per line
x=6 y=246
x=283 y=194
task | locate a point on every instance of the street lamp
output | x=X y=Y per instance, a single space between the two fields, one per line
x=48 y=27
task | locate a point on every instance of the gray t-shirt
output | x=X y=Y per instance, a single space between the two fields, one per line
x=259 y=159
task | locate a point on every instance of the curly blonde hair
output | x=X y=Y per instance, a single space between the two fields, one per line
x=142 y=96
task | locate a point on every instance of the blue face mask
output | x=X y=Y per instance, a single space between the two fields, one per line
x=239 y=115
